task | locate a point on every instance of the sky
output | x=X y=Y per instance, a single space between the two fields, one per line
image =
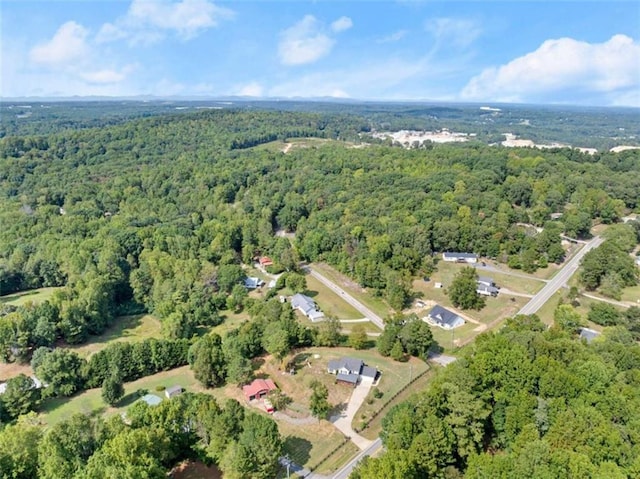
x=540 y=52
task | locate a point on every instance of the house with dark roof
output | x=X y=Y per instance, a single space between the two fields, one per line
x=258 y=389
x=443 y=318
x=485 y=290
x=460 y=257
x=306 y=306
x=589 y=334
x=351 y=371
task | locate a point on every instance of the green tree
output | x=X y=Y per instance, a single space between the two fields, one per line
x=276 y=341
x=397 y=351
x=462 y=291
x=318 y=403
x=416 y=337
x=604 y=314
x=19 y=449
x=328 y=333
x=21 y=396
x=208 y=361
x=112 y=389
x=296 y=282
x=567 y=318
x=358 y=338
x=229 y=275
x=60 y=369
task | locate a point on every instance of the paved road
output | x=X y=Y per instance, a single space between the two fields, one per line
x=369 y=451
x=561 y=277
x=370 y=315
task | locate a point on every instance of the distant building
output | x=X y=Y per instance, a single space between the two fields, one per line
x=443 y=318
x=460 y=257
x=173 y=391
x=253 y=283
x=306 y=306
x=588 y=334
x=265 y=261
x=258 y=389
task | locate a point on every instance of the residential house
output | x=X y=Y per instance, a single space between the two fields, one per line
x=258 y=389
x=588 y=334
x=306 y=306
x=36 y=384
x=351 y=371
x=443 y=318
x=460 y=257
x=485 y=281
x=253 y=283
x=173 y=391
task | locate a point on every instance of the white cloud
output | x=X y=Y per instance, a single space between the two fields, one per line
x=148 y=21
x=251 y=89
x=107 y=75
x=341 y=24
x=563 y=66
x=304 y=42
x=458 y=32
x=393 y=37
x=67 y=45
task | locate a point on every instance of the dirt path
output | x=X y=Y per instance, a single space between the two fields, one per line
x=296 y=421
x=287 y=147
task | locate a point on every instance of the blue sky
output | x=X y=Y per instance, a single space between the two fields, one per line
x=572 y=52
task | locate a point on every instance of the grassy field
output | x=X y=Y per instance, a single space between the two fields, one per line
x=126 y=328
x=377 y=305
x=631 y=294
x=90 y=402
x=33 y=295
x=328 y=301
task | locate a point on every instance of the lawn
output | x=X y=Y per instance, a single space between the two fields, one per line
x=329 y=302
x=377 y=305
x=126 y=328
x=33 y=295
x=90 y=402
x=631 y=294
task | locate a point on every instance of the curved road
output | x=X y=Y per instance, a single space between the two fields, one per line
x=560 y=279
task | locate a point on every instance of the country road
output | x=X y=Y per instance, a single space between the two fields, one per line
x=370 y=315
x=346 y=470
x=561 y=277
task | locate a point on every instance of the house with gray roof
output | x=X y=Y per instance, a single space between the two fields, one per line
x=173 y=391
x=589 y=334
x=485 y=281
x=443 y=318
x=306 y=306
x=351 y=371
x=253 y=283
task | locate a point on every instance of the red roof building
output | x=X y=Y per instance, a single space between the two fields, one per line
x=258 y=389
x=265 y=261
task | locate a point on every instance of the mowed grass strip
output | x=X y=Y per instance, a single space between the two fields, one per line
x=329 y=302
x=32 y=296
x=90 y=402
x=125 y=328
x=377 y=305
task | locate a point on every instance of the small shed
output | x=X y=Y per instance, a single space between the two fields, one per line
x=173 y=391
x=265 y=261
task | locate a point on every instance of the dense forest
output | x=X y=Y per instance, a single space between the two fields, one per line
x=160 y=214
x=525 y=402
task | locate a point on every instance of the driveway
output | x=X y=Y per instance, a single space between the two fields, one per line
x=343 y=420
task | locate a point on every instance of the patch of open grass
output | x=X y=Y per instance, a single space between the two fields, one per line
x=377 y=305
x=125 y=328
x=90 y=402
x=631 y=294
x=33 y=295
x=329 y=302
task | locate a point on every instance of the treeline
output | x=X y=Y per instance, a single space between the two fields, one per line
x=524 y=402
x=146 y=444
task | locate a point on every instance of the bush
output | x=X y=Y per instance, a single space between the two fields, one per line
x=377 y=393
x=160 y=388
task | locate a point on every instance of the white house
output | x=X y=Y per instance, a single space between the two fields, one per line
x=306 y=306
x=460 y=257
x=351 y=370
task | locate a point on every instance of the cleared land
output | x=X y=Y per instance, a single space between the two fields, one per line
x=377 y=305
x=126 y=328
x=328 y=301
x=31 y=296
